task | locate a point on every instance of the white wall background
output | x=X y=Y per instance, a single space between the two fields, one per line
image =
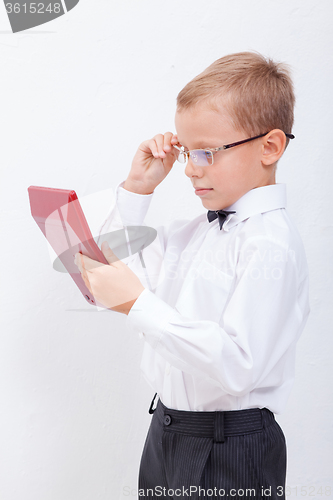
x=77 y=96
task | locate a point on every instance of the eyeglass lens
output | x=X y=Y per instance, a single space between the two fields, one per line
x=200 y=157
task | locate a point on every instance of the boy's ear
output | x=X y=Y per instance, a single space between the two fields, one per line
x=273 y=146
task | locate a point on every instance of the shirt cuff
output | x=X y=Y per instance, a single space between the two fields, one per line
x=132 y=207
x=149 y=316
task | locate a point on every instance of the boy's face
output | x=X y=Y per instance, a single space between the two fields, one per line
x=235 y=171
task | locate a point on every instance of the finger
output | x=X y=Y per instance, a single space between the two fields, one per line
x=175 y=141
x=86 y=263
x=158 y=146
x=108 y=253
x=86 y=281
x=175 y=145
x=79 y=262
x=150 y=147
x=159 y=139
x=167 y=141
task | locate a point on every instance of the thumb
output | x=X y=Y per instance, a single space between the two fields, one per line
x=108 y=253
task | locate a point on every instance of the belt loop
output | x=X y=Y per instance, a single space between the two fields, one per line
x=219 y=427
x=151 y=409
x=267 y=417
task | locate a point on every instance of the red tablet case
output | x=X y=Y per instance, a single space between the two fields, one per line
x=60 y=217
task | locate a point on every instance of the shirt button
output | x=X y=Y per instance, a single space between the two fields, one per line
x=167 y=369
x=167 y=420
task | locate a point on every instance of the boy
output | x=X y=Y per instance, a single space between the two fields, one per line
x=231 y=301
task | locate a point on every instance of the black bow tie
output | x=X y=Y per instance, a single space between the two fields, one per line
x=222 y=214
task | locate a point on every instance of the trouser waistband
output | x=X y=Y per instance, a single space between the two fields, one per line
x=214 y=424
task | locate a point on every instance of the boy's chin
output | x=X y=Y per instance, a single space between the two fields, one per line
x=208 y=205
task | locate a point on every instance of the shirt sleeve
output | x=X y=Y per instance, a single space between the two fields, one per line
x=264 y=316
x=130 y=209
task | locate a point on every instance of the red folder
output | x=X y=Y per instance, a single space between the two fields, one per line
x=60 y=217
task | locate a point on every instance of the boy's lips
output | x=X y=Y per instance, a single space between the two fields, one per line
x=200 y=190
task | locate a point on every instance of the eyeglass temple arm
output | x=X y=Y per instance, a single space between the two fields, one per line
x=290 y=136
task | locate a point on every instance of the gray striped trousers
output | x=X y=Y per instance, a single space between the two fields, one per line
x=213 y=455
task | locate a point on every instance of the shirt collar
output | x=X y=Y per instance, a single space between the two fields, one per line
x=256 y=201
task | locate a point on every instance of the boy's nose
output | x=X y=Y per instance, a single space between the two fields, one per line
x=192 y=169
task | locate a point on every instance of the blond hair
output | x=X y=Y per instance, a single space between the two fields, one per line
x=257 y=92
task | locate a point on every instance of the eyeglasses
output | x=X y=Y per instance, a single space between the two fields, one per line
x=204 y=157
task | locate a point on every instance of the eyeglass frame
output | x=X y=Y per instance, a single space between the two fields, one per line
x=226 y=146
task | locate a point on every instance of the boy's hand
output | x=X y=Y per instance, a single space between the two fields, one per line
x=152 y=163
x=114 y=285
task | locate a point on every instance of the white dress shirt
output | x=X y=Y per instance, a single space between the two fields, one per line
x=222 y=309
